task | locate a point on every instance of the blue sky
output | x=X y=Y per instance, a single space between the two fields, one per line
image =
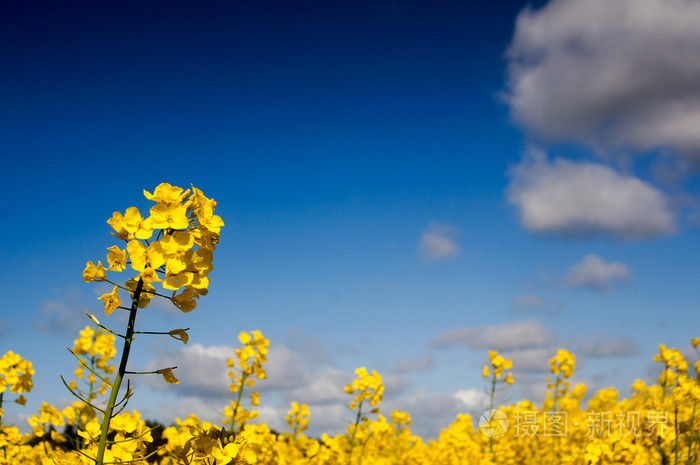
x=405 y=186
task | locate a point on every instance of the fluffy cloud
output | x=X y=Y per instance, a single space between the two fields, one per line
x=472 y=399
x=508 y=336
x=411 y=365
x=203 y=382
x=166 y=412
x=432 y=412
x=59 y=314
x=594 y=273
x=535 y=360
x=598 y=346
x=437 y=243
x=200 y=369
x=202 y=373
x=609 y=73
x=535 y=304
x=581 y=199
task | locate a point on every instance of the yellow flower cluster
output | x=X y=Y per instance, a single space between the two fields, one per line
x=48 y=416
x=15 y=376
x=498 y=365
x=193 y=441
x=365 y=387
x=131 y=438
x=656 y=423
x=98 y=347
x=298 y=418
x=94 y=351
x=251 y=358
x=179 y=257
x=562 y=367
x=563 y=363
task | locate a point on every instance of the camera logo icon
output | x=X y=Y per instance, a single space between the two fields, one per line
x=493 y=423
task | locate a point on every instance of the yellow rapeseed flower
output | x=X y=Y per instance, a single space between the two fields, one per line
x=116 y=258
x=94 y=272
x=180 y=335
x=168 y=375
x=111 y=300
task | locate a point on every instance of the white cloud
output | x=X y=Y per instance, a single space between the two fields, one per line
x=204 y=409
x=411 y=365
x=432 y=412
x=200 y=369
x=581 y=199
x=203 y=379
x=534 y=304
x=437 y=243
x=594 y=273
x=534 y=360
x=508 y=336
x=321 y=388
x=472 y=399
x=609 y=73
x=309 y=347
x=63 y=313
x=599 y=346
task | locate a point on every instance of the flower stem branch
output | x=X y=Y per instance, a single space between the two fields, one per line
x=154 y=372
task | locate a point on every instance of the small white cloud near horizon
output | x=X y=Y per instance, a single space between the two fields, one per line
x=472 y=398
x=437 y=243
x=507 y=336
x=580 y=200
x=596 y=274
x=202 y=373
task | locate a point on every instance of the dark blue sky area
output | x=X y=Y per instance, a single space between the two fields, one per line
x=169 y=77
x=343 y=115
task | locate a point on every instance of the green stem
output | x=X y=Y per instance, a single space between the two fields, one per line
x=675 y=424
x=354 y=430
x=493 y=392
x=692 y=433
x=238 y=403
x=107 y=417
x=88 y=406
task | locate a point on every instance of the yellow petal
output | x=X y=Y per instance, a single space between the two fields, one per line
x=168 y=375
x=180 y=335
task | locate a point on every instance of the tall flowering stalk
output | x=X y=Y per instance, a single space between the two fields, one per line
x=251 y=358
x=497 y=366
x=16 y=377
x=366 y=387
x=173 y=248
